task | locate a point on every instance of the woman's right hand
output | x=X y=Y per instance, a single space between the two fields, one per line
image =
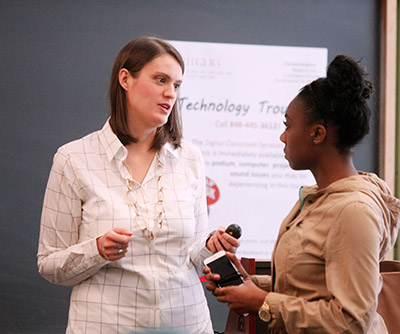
x=113 y=245
x=220 y=240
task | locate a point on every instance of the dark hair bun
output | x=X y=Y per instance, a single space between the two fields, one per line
x=346 y=80
x=341 y=100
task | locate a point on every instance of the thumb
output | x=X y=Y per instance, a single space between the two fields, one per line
x=121 y=230
x=238 y=265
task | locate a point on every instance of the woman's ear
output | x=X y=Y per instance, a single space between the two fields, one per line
x=318 y=133
x=123 y=77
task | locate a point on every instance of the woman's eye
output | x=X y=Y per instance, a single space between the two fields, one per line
x=177 y=86
x=285 y=124
x=161 y=79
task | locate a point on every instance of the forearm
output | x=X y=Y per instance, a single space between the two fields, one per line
x=198 y=250
x=70 y=266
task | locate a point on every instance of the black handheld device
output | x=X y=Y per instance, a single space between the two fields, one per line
x=220 y=264
x=234 y=230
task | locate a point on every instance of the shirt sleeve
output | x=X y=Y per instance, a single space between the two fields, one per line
x=263 y=282
x=352 y=278
x=198 y=252
x=62 y=259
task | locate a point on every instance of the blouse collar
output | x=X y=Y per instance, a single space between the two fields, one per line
x=114 y=149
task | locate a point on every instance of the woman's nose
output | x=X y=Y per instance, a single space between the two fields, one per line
x=282 y=137
x=170 y=91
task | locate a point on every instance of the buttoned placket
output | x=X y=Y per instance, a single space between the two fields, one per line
x=143 y=188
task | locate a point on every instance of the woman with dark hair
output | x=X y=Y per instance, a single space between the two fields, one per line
x=325 y=264
x=124 y=217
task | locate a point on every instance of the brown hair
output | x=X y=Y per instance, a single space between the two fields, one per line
x=133 y=57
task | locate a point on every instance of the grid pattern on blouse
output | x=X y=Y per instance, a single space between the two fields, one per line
x=151 y=287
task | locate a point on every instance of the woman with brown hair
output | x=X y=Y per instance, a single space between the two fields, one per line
x=124 y=217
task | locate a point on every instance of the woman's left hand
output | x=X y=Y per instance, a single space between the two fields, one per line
x=221 y=240
x=245 y=298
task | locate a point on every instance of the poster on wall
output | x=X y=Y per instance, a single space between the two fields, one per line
x=233 y=100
